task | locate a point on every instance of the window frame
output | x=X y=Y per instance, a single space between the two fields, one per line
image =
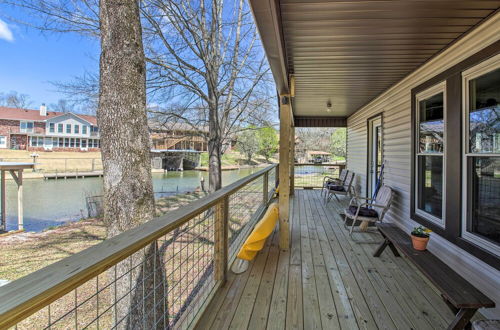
x=420 y=96
x=76 y=129
x=68 y=126
x=454 y=189
x=474 y=72
x=52 y=127
x=60 y=128
x=26 y=129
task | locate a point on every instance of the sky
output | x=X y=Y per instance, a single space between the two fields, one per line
x=30 y=60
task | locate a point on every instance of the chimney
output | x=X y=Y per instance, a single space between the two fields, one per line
x=43 y=110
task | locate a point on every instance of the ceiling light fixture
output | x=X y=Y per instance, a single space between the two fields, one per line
x=328 y=106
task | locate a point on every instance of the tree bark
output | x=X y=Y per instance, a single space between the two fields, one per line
x=125 y=147
x=214 y=153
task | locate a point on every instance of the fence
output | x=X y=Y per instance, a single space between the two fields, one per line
x=61 y=165
x=159 y=275
x=312 y=175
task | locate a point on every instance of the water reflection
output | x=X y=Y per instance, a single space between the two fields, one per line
x=54 y=202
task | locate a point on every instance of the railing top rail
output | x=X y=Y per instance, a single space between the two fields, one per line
x=320 y=164
x=27 y=295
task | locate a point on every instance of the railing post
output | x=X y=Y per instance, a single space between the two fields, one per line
x=265 y=188
x=221 y=240
x=292 y=160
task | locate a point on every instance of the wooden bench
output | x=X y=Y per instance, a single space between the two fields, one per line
x=461 y=296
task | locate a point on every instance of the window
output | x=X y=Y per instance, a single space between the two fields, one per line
x=84 y=142
x=52 y=127
x=66 y=142
x=68 y=128
x=60 y=128
x=84 y=129
x=71 y=142
x=481 y=145
x=77 y=129
x=430 y=131
x=61 y=142
x=3 y=141
x=26 y=126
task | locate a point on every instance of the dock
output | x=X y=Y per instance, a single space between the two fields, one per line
x=71 y=175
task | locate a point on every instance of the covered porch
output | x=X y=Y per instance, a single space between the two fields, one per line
x=335 y=64
x=326 y=280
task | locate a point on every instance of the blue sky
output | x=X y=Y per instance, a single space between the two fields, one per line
x=30 y=60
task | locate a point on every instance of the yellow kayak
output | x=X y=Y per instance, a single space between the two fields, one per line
x=255 y=242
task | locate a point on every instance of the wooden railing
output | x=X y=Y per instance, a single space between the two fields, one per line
x=311 y=175
x=160 y=274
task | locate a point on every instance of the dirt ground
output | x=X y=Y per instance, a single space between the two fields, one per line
x=24 y=253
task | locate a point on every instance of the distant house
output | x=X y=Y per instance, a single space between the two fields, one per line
x=39 y=130
x=177 y=136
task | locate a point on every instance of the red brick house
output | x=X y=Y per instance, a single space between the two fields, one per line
x=25 y=129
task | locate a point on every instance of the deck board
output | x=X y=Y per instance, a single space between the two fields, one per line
x=326 y=280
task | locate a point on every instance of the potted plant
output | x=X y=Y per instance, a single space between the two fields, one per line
x=420 y=238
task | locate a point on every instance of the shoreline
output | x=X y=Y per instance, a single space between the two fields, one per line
x=53 y=244
x=29 y=175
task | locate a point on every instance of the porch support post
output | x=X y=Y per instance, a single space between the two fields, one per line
x=3 y=224
x=292 y=160
x=19 y=181
x=284 y=171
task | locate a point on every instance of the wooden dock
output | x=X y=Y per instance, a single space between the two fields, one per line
x=71 y=175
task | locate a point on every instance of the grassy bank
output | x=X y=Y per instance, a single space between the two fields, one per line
x=17 y=257
x=56 y=161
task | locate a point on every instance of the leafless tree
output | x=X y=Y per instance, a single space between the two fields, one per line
x=205 y=59
x=62 y=105
x=14 y=99
x=204 y=62
x=128 y=187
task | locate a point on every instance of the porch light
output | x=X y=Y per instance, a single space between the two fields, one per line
x=328 y=106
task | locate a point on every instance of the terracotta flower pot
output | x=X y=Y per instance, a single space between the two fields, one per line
x=419 y=243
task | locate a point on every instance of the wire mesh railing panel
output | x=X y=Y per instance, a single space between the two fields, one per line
x=163 y=285
x=243 y=205
x=311 y=176
x=161 y=281
x=271 y=183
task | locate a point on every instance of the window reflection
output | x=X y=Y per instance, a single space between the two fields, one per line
x=484 y=217
x=430 y=185
x=484 y=115
x=431 y=124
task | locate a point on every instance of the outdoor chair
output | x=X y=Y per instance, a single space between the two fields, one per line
x=329 y=180
x=344 y=189
x=372 y=210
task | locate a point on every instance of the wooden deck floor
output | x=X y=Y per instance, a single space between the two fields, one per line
x=325 y=281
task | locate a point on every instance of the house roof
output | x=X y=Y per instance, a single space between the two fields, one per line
x=34 y=115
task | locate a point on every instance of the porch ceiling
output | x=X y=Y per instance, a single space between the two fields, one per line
x=348 y=52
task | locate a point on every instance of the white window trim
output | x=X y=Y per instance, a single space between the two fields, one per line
x=472 y=73
x=26 y=130
x=431 y=91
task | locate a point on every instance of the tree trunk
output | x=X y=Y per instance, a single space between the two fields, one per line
x=214 y=152
x=125 y=147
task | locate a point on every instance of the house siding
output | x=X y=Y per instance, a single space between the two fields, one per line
x=395 y=105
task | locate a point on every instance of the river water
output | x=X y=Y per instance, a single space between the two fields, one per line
x=54 y=202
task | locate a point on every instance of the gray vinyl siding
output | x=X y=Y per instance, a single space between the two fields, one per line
x=395 y=105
